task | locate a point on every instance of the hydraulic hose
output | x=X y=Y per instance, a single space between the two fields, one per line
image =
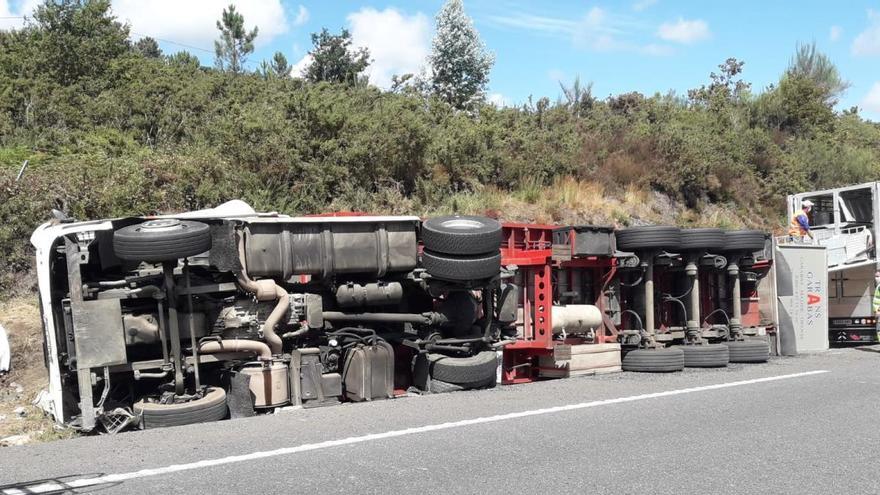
x=669 y=298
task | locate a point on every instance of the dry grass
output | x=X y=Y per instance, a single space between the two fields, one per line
x=21 y=319
x=572 y=201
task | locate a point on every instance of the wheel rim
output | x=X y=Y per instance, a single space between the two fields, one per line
x=461 y=224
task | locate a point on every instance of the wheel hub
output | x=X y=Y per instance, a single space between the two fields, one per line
x=161 y=224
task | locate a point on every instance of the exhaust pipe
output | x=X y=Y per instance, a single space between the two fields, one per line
x=264 y=290
x=260 y=349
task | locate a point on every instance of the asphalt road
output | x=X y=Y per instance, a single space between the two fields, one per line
x=780 y=427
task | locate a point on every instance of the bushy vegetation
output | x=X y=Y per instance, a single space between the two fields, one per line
x=111 y=127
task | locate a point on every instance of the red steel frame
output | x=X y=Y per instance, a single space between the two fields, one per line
x=530 y=248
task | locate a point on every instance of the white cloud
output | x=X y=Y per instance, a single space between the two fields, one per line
x=299 y=68
x=643 y=4
x=872 y=99
x=835 y=32
x=598 y=30
x=302 y=16
x=656 y=50
x=556 y=75
x=194 y=22
x=497 y=99
x=398 y=43
x=14 y=15
x=684 y=31
x=868 y=41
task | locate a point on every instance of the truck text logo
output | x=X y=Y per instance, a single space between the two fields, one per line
x=814 y=288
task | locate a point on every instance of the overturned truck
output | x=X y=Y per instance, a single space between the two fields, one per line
x=162 y=321
x=170 y=320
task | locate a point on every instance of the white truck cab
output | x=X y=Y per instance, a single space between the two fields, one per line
x=845 y=221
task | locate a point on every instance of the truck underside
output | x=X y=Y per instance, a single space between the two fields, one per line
x=205 y=315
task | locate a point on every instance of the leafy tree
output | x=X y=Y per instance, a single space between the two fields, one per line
x=184 y=59
x=807 y=62
x=78 y=38
x=725 y=87
x=459 y=61
x=148 y=47
x=798 y=105
x=235 y=42
x=335 y=60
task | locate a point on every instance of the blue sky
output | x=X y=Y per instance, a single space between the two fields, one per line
x=638 y=45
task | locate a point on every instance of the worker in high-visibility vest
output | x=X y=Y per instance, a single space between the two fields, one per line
x=800 y=223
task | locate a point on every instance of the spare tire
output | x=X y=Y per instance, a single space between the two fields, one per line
x=461 y=235
x=649 y=237
x=163 y=239
x=467 y=371
x=743 y=240
x=462 y=268
x=662 y=360
x=698 y=239
x=211 y=407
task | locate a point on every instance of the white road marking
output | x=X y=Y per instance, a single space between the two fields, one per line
x=116 y=478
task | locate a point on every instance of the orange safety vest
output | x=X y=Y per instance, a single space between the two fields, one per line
x=795 y=229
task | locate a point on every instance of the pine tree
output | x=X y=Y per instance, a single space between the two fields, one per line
x=459 y=61
x=148 y=47
x=814 y=65
x=335 y=60
x=279 y=65
x=235 y=43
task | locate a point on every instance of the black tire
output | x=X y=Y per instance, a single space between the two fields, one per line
x=211 y=407
x=705 y=356
x=660 y=360
x=743 y=240
x=441 y=387
x=460 y=268
x=749 y=351
x=461 y=235
x=698 y=239
x=649 y=237
x=477 y=369
x=164 y=239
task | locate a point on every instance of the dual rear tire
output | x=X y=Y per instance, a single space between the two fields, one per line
x=659 y=360
x=705 y=355
x=749 y=351
x=438 y=373
x=677 y=358
x=461 y=248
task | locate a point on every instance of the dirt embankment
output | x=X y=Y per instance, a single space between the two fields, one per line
x=19 y=418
